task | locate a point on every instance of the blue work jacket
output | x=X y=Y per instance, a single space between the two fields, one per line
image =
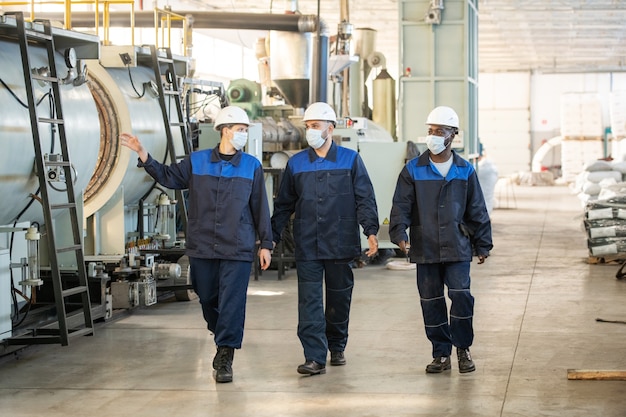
x=447 y=217
x=227 y=207
x=330 y=196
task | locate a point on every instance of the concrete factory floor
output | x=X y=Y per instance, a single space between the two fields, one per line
x=537 y=300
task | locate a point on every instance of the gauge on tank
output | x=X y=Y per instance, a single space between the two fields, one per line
x=70 y=57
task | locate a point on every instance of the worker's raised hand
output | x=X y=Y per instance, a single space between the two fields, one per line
x=132 y=142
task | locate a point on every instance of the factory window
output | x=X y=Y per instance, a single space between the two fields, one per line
x=216 y=59
x=221 y=60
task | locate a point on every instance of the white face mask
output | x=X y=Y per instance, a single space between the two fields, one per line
x=314 y=138
x=239 y=140
x=436 y=144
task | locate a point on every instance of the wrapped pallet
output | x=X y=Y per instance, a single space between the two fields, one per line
x=605 y=225
x=582 y=132
x=581 y=116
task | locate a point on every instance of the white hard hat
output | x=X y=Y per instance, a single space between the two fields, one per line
x=320 y=111
x=443 y=116
x=231 y=115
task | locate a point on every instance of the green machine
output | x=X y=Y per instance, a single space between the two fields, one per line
x=246 y=94
x=241 y=93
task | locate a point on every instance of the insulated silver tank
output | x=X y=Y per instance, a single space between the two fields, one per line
x=17 y=175
x=120 y=109
x=94 y=113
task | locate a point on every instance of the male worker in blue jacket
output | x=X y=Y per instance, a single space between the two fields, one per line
x=328 y=188
x=439 y=198
x=228 y=212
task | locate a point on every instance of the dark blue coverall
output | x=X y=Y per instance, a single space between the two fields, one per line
x=331 y=197
x=448 y=223
x=227 y=211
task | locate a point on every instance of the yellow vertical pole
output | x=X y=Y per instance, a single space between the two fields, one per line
x=97 y=16
x=105 y=23
x=186 y=36
x=163 y=28
x=156 y=27
x=68 y=15
x=169 y=30
x=132 y=24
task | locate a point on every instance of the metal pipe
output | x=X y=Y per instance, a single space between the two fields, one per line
x=343 y=48
x=319 y=81
x=318 y=89
x=224 y=20
x=201 y=20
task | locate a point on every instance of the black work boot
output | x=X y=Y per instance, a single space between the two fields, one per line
x=438 y=365
x=337 y=359
x=223 y=364
x=466 y=364
x=311 y=368
x=217 y=359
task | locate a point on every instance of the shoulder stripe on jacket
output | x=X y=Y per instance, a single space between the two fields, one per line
x=300 y=162
x=201 y=165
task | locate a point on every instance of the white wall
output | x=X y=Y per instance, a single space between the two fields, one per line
x=518 y=111
x=223 y=60
x=504 y=120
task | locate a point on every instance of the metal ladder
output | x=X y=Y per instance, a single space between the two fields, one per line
x=165 y=99
x=62 y=293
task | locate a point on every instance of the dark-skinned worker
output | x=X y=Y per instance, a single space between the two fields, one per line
x=439 y=199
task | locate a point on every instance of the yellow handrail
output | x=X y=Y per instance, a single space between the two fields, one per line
x=163 y=20
x=67 y=6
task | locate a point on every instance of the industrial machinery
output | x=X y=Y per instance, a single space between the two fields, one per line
x=65 y=104
x=123 y=219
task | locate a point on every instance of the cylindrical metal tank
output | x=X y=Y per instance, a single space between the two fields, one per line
x=120 y=109
x=291 y=57
x=364 y=44
x=384 y=112
x=94 y=113
x=17 y=175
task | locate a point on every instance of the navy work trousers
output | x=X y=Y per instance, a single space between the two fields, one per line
x=322 y=330
x=222 y=288
x=441 y=332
